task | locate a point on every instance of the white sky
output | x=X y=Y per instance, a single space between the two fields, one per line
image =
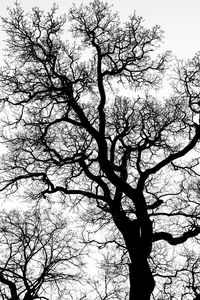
x=179 y=19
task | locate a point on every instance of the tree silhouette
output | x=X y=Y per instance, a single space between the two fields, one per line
x=131 y=160
x=39 y=256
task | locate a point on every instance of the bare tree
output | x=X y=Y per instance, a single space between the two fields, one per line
x=40 y=257
x=108 y=280
x=132 y=162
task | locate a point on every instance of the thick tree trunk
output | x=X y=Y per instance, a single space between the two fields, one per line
x=138 y=239
x=137 y=235
x=141 y=280
x=139 y=245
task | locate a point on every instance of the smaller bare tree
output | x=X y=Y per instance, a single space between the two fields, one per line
x=40 y=258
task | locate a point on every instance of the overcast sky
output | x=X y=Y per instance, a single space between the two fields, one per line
x=180 y=19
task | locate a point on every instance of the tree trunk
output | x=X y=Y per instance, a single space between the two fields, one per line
x=139 y=245
x=141 y=280
x=138 y=239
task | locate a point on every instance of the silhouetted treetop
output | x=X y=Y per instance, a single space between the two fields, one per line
x=130 y=161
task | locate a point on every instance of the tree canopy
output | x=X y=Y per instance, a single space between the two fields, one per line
x=39 y=256
x=81 y=123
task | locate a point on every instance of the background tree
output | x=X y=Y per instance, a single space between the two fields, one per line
x=128 y=163
x=40 y=257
